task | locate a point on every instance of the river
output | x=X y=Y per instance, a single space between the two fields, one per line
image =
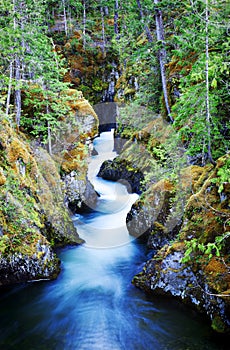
x=93 y=305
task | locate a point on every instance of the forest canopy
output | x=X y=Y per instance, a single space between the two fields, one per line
x=176 y=55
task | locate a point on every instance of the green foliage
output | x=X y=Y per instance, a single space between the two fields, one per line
x=195 y=249
x=223 y=176
x=190 y=110
x=134 y=117
x=4 y=244
x=23 y=39
x=44 y=108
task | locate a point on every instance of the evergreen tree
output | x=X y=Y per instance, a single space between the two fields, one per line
x=199 y=112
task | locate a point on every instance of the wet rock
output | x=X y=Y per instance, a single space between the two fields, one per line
x=18 y=267
x=165 y=274
x=58 y=226
x=80 y=194
x=202 y=280
x=34 y=213
x=149 y=216
x=122 y=171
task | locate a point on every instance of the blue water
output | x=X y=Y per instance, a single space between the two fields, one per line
x=93 y=305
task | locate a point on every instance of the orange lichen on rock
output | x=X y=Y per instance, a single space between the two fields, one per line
x=77 y=34
x=84 y=108
x=205 y=217
x=110 y=21
x=78 y=103
x=76 y=62
x=217 y=274
x=163 y=185
x=191 y=175
x=216 y=266
x=74 y=159
x=158 y=192
x=17 y=150
x=2 y=177
x=69 y=77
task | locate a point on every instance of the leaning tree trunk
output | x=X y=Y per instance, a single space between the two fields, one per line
x=17 y=71
x=162 y=56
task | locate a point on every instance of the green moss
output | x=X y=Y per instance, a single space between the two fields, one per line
x=218 y=325
x=98 y=85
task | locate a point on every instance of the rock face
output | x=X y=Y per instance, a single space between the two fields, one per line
x=107 y=113
x=166 y=275
x=187 y=261
x=122 y=171
x=80 y=193
x=36 y=193
x=148 y=217
x=18 y=267
x=184 y=220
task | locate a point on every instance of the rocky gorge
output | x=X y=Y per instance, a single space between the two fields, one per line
x=182 y=215
x=44 y=190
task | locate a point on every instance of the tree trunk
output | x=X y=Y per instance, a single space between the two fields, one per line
x=70 y=29
x=18 y=61
x=147 y=30
x=18 y=103
x=84 y=25
x=116 y=16
x=208 y=116
x=162 y=56
x=9 y=89
x=103 y=30
x=49 y=138
x=65 y=18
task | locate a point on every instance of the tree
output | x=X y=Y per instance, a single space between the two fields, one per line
x=147 y=30
x=32 y=66
x=84 y=24
x=15 y=40
x=208 y=117
x=116 y=17
x=162 y=55
x=201 y=110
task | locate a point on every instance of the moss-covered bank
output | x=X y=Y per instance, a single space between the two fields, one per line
x=34 y=197
x=184 y=217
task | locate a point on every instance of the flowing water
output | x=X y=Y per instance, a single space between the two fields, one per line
x=92 y=305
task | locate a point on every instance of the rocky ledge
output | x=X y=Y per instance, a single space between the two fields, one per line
x=42 y=264
x=37 y=190
x=165 y=274
x=79 y=193
x=187 y=260
x=122 y=171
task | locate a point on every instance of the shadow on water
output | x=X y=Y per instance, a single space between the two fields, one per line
x=92 y=305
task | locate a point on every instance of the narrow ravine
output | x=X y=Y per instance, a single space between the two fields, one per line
x=93 y=305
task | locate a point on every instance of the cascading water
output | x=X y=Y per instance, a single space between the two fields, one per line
x=92 y=305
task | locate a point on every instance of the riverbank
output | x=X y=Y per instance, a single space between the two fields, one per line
x=37 y=190
x=183 y=217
